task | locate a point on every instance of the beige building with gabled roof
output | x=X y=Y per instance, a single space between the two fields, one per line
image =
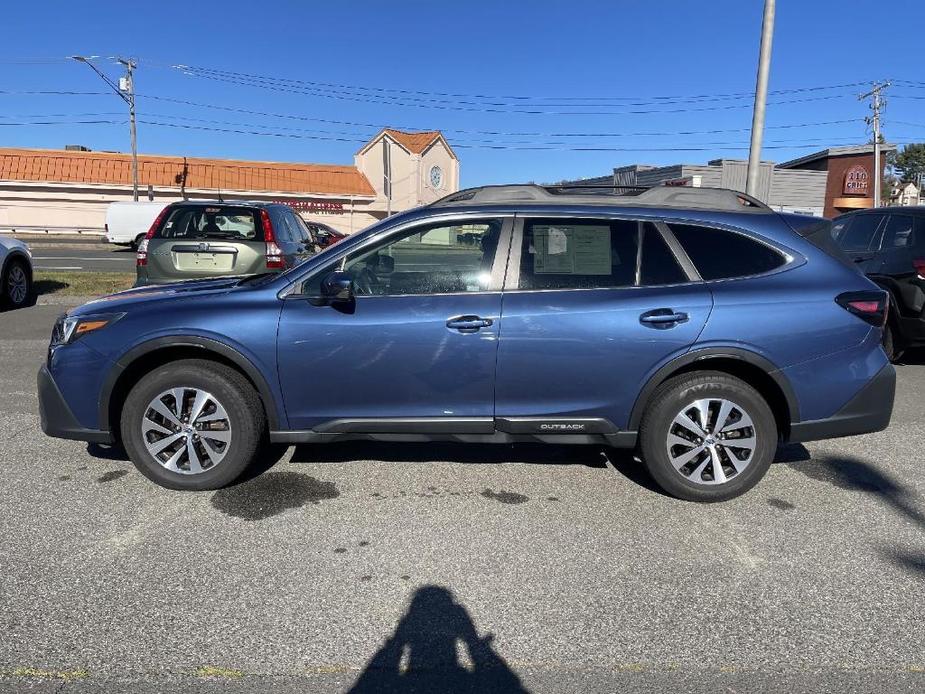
x=418 y=167
x=66 y=190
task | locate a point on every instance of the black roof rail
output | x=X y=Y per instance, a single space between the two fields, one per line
x=612 y=195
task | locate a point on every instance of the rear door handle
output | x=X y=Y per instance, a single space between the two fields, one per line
x=468 y=324
x=662 y=318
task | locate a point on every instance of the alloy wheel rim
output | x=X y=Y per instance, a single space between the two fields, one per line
x=186 y=430
x=17 y=285
x=711 y=441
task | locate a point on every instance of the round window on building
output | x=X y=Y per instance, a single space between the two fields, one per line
x=436 y=177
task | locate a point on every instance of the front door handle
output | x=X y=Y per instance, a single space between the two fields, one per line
x=662 y=318
x=468 y=324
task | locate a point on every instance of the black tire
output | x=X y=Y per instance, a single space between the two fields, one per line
x=6 y=291
x=670 y=399
x=136 y=242
x=892 y=344
x=239 y=399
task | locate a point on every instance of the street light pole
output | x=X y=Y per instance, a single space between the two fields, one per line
x=761 y=98
x=125 y=90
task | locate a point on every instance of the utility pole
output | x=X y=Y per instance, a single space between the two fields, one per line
x=876 y=106
x=127 y=85
x=125 y=90
x=761 y=98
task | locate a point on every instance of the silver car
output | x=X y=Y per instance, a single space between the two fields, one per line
x=200 y=239
x=16 y=288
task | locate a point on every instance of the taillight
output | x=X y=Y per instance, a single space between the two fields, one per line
x=274 y=253
x=871 y=307
x=919 y=265
x=141 y=256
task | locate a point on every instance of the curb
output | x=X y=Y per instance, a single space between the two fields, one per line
x=52 y=300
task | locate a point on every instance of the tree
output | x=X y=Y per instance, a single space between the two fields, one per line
x=910 y=163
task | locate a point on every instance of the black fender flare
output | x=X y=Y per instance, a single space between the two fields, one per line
x=705 y=355
x=203 y=343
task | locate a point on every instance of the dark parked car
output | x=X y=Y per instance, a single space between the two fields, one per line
x=696 y=325
x=325 y=235
x=888 y=245
x=194 y=240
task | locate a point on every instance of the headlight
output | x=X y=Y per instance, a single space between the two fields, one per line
x=70 y=328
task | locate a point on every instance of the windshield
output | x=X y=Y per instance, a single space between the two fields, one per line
x=211 y=222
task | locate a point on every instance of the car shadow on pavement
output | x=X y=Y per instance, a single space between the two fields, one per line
x=541 y=454
x=436 y=648
x=857 y=475
x=621 y=461
x=113 y=452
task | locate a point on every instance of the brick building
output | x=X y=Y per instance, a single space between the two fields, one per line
x=62 y=190
x=850 y=183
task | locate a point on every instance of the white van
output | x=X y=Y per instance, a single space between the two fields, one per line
x=128 y=222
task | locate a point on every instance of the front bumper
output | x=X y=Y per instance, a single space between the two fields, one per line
x=868 y=411
x=57 y=418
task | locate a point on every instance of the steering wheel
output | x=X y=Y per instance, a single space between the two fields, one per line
x=364 y=281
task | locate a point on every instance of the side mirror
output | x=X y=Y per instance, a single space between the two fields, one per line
x=337 y=288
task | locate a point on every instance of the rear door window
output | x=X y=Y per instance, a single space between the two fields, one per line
x=281 y=226
x=860 y=234
x=595 y=254
x=658 y=265
x=211 y=222
x=720 y=254
x=899 y=232
x=299 y=230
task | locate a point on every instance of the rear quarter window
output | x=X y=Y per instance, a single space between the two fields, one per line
x=719 y=254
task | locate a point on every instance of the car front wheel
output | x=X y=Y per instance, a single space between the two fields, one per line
x=707 y=436
x=192 y=425
x=17 y=285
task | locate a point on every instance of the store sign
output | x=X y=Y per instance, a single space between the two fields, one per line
x=314 y=206
x=857 y=181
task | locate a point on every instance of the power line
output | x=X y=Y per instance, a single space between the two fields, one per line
x=32 y=92
x=509 y=111
x=196 y=70
x=455 y=141
x=59 y=115
x=379 y=126
x=384 y=96
x=65 y=122
x=491 y=146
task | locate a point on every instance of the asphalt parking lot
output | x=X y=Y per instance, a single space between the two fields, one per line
x=456 y=568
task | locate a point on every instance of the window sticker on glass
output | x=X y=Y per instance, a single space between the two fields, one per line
x=572 y=250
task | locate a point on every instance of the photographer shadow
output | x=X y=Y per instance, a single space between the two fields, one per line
x=436 y=648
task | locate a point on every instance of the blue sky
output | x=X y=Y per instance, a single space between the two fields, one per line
x=473 y=69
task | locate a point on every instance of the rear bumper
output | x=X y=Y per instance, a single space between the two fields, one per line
x=868 y=411
x=57 y=418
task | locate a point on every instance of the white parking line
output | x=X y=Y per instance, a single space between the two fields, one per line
x=59 y=267
x=69 y=257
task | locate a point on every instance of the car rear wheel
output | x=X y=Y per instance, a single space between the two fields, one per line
x=137 y=242
x=192 y=425
x=891 y=344
x=707 y=436
x=16 y=285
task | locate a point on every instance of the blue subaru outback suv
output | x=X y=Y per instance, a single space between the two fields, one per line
x=697 y=326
